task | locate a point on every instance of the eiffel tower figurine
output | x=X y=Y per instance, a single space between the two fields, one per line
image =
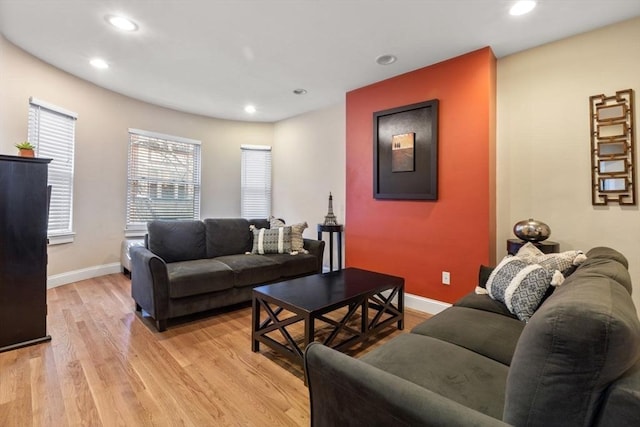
x=330 y=218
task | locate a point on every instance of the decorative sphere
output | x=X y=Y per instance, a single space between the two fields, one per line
x=532 y=230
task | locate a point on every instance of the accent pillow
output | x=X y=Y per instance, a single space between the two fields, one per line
x=566 y=261
x=483 y=275
x=521 y=286
x=297 y=241
x=271 y=241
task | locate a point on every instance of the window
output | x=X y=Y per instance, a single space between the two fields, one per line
x=163 y=179
x=52 y=131
x=256 y=181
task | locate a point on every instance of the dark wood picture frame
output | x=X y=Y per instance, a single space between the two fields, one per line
x=421 y=183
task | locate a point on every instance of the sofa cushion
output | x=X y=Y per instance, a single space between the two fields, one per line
x=227 y=236
x=620 y=406
x=295 y=265
x=250 y=269
x=520 y=286
x=485 y=303
x=271 y=241
x=489 y=334
x=584 y=337
x=174 y=241
x=454 y=372
x=200 y=276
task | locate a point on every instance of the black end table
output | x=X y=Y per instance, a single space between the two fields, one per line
x=331 y=229
x=546 y=246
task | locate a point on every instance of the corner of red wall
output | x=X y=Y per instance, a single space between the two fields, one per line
x=418 y=240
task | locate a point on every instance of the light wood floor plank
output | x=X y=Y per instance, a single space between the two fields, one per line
x=107 y=366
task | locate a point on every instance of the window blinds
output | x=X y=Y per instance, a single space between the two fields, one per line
x=52 y=132
x=163 y=179
x=256 y=181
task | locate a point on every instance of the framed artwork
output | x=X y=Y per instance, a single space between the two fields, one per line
x=405 y=152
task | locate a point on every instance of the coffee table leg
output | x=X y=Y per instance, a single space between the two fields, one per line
x=401 y=307
x=255 y=320
x=308 y=330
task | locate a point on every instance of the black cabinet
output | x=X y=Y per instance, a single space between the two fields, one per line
x=23 y=251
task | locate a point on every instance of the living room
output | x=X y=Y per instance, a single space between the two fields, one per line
x=514 y=144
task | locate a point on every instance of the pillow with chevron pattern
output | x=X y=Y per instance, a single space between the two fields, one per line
x=297 y=241
x=521 y=286
x=566 y=261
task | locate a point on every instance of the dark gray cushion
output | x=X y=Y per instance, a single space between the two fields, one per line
x=461 y=375
x=484 y=302
x=227 y=236
x=621 y=406
x=581 y=339
x=200 y=276
x=260 y=223
x=177 y=240
x=489 y=334
x=252 y=269
x=295 y=265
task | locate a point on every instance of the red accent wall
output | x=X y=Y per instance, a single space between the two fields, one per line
x=419 y=239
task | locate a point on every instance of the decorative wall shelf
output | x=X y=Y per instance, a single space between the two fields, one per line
x=612 y=149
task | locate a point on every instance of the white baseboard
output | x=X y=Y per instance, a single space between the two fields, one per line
x=427 y=305
x=82 y=274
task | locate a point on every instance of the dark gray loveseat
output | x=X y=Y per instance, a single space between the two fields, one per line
x=191 y=266
x=575 y=363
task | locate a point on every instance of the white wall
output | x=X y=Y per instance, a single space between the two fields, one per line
x=101 y=152
x=308 y=163
x=543 y=142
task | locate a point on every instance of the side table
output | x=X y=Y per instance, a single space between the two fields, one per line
x=546 y=246
x=331 y=229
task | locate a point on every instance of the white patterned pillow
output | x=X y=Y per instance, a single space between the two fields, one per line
x=521 y=286
x=564 y=261
x=297 y=241
x=271 y=241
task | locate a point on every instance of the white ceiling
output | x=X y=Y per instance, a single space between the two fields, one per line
x=212 y=57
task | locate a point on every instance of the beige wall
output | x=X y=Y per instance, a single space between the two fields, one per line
x=101 y=151
x=543 y=145
x=308 y=163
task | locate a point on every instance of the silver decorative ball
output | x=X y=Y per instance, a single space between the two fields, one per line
x=531 y=230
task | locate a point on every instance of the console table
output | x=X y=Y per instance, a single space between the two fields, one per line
x=546 y=246
x=331 y=229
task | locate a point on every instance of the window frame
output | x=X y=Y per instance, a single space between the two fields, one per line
x=246 y=152
x=162 y=190
x=56 y=171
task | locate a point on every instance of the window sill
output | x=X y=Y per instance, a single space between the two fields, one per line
x=60 y=239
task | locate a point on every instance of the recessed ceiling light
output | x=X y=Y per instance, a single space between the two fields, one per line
x=521 y=7
x=299 y=91
x=99 y=63
x=250 y=109
x=386 y=59
x=121 y=23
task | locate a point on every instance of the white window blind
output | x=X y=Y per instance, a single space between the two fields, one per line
x=52 y=132
x=163 y=179
x=256 y=181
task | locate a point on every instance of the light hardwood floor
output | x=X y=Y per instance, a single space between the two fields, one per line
x=107 y=366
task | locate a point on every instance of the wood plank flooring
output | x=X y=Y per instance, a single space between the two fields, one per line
x=108 y=366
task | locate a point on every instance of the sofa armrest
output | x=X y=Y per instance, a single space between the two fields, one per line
x=346 y=392
x=315 y=247
x=150 y=284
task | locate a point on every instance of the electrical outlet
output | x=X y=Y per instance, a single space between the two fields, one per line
x=446 y=278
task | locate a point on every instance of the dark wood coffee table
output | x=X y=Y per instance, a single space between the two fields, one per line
x=311 y=298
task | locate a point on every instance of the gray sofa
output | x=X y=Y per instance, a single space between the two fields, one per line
x=192 y=266
x=575 y=363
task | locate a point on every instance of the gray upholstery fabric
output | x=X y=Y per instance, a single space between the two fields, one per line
x=294 y=265
x=227 y=236
x=260 y=223
x=459 y=374
x=485 y=303
x=177 y=240
x=347 y=392
x=620 y=406
x=198 y=277
x=251 y=270
x=581 y=339
x=489 y=334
